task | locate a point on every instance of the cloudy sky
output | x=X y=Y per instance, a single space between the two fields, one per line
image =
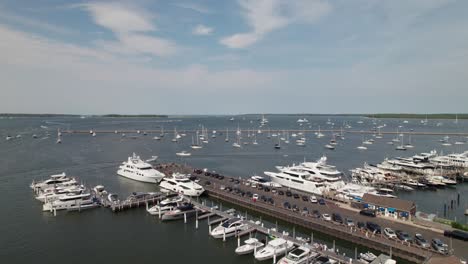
x=228 y=57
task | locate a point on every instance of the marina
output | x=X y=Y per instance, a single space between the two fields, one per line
x=336 y=195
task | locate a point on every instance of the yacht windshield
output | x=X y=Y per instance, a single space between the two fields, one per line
x=145 y=168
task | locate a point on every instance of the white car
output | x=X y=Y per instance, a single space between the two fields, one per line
x=255 y=197
x=313 y=199
x=388 y=232
x=326 y=217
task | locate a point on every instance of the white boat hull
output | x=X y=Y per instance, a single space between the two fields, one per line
x=133 y=176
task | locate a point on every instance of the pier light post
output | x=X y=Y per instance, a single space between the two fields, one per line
x=185 y=218
x=224 y=234
x=209 y=229
x=196 y=219
x=238 y=241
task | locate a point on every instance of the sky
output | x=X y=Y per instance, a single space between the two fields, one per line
x=233 y=57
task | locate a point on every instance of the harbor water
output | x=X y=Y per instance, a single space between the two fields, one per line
x=30 y=235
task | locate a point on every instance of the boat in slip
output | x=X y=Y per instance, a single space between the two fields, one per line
x=250 y=245
x=183 y=210
x=71 y=201
x=181 y=183
x=264 y=182
x=166 y=205
x=136 y=169
x=229 y=228
x=52 y=194
x=53 y=180
x=275 y=247
x=300 y=255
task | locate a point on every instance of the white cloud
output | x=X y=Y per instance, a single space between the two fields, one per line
x=194 y=7
x=35 y=23
x=265 y=16
x=130 y=25
x=202 y=30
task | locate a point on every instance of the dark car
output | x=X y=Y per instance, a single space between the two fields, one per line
x=321 y=201
x=361 y=225
x=266 y=189
x=305 y=211
x=316 y=214
x=296 y=196
x=207 y=182
x=403 y=236
x=458 y=234
x=263 y=198
x=305 y=198
x=221 y=177
x=249 y=194
x=207 y=174
x=236 y=181
x=288 y=193
x=280 y=192
x=271 y=201
x=337 y=218
x=295 y=208
x=373 y=227
x=260 y=187
x=286 y=205
x=368 y=212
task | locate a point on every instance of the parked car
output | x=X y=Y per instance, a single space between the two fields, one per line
x=361 y=225
x=316 y=214
x=439 y=246
x=313 y=199
x=266 y=189
x=349 y=222
x=296 y=196
x=280 y=192
x=403 y=236
x=368 y=212
x=373 y=227
x=321 y=201
x=337 y=218
x=255 y=197
x=286 y=205
x=207 y=183
x=305 y=211
x=458 y=234
x=288 y=193
x=421 y=241
x=295 y=208
x=326 y=217
x=274 y=191
x=305 y=198
x=388 y=232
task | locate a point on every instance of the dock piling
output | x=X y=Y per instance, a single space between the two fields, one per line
x=185 y=218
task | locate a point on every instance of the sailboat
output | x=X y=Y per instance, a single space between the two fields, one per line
x=319 y=134
x=278 y=145
x=254 y=142
x=227 y=135
x=59 y=137
x=401 y=147
x=379 y=135
x=237 y=143
x=409 y=145
x=176 y=136
x=197 y=145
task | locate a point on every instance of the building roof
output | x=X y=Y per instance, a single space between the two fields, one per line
x=398 y=204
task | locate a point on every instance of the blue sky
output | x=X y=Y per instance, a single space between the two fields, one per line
x=229 y=57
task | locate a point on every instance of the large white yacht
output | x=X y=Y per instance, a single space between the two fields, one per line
x=180 y=183
x=311 y=177
x=52 y=181
x=136 y=169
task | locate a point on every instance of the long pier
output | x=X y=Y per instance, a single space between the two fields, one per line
x=213 y=186
x=158 y=132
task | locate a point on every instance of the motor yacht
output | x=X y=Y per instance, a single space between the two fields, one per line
x=229 y=228
x=328 y=146
x=184 y=209
x=250 y=245
x=52 y=181
x=53 y=194
x=136 y=169
x=275 y=247
x=300 y=255
x=180 y=183
x=165 y=205
x=361 y=147
x=69 y=201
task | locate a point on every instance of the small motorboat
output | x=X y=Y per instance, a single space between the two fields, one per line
x=328 y=146
x=185 y=208
x=229 y=228
x=184 y=154
x=153 y=158
x=278 y=247
x=250 y=245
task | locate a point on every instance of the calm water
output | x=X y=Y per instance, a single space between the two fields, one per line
x=28 y=234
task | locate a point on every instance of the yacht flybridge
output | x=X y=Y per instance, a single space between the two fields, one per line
x=136 y=169
x=180 y=183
